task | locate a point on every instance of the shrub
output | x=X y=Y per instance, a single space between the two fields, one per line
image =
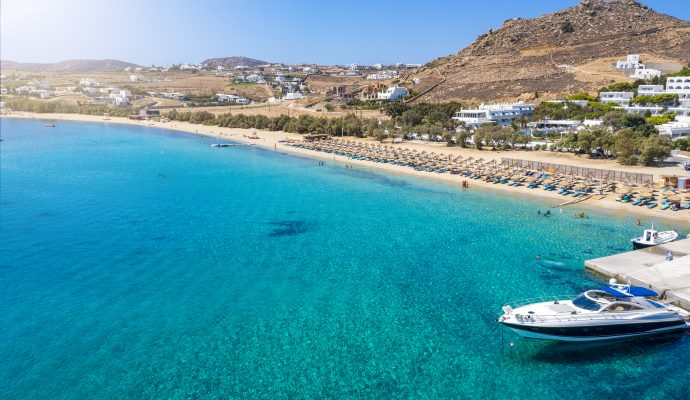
x=567 y=27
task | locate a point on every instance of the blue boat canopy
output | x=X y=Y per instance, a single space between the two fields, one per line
x=640 y=291
x=632 y=291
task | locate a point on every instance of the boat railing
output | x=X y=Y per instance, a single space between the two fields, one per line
x=565 y=317
x=541 y=299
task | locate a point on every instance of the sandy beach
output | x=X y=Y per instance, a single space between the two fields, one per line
x=273 y=141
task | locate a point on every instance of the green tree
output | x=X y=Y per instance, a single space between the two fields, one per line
x=626 y=146
x=395 y=109
x=654 y=149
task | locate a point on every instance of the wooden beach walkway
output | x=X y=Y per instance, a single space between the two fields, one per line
x=649 y=268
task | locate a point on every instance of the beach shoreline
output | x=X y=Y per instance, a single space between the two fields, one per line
x=272 y=140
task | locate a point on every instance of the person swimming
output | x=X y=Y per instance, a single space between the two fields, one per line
x=547 y=213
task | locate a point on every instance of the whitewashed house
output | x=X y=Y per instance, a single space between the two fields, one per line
x=646 y=73
x=554 y=126
x=621 y=98
x=502 y=114
x=232 y=98
x=632 y=62
x=650 y=90
x=678 y=128
x=293 y=96
x=394 y=93
x=88 y=82
x=255 y=78
x=679 y=85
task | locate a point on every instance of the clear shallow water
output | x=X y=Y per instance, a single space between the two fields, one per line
x=137 y=262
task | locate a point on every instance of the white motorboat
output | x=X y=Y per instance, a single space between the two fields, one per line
x=610 y=313
x=652 y=237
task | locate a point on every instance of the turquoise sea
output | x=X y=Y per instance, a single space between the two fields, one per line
x=142 y=263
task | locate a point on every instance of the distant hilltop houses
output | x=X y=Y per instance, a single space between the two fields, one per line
x=636 y=69
x=673 y=99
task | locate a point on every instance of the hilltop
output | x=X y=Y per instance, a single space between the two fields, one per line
x=556 y=54
x=232 y=62
x=69 y=66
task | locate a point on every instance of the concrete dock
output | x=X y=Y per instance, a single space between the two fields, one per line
x=649 y=268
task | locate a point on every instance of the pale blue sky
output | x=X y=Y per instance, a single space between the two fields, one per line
x=325 y=32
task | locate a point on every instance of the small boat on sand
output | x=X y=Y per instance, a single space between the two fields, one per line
x=652 y=237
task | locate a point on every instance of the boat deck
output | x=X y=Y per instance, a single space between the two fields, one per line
x=649 y=268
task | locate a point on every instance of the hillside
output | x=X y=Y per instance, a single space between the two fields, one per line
x=69 y=66
x=556 y=54
x=232 y=62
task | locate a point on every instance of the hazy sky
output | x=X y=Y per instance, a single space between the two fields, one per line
x=326 y=32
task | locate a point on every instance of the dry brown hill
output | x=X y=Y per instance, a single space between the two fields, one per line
x=556 y=54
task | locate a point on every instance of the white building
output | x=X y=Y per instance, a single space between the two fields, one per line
x=133 y=78
x=383 y=75
x=293 y=96
x=88 y=82
x=622 y=98
x=679 y=85
x=255 y=78
x=644 y=109
x=646 y=73
x=675 y=129
x=231 y=98
x=632 y=62
x=502 y=114
x=554 y=126
x=394 y=93
x=650 y=90
x=118 y=99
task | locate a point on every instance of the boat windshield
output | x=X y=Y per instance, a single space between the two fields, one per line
x=654 y=303
x=582 y=301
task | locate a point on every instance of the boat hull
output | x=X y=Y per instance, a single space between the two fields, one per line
x=638 y=246
x=582 y=333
